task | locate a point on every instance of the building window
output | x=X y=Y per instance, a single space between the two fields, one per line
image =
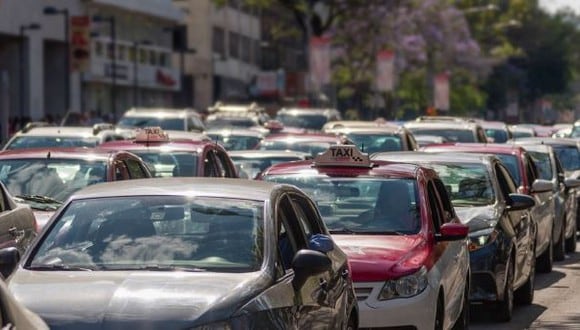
x=152 y=57
x=163 y=60
x=234 y=45
x=247 y=46
x=142 y=56
x=218 y=40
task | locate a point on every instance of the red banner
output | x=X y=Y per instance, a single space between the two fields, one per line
x=80 y=43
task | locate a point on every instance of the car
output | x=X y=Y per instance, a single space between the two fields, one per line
x=15 y=316
x=385 y=138
x=186 y=253
x=332 y=126
x=166 y=118
x=406 y=247
x=562 y=130
x=423 y=140
x=565 y=189
x=575 y=130
x=33 y=136
x=168 y=157
x=223 y=115
x=453 y=131
x=17 y=222
x=308 y=118
x=525 y=174
x=312 y=143
x=501 y=232
x=496 y=131
x=45 y=178
x=250 y=163
x=235 y=138
x=519 y=131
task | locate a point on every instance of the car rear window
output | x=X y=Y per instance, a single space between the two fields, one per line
x=452 y=135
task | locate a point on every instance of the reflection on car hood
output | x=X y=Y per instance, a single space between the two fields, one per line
x=378 y=258
x=131 y=299
x=478 y=218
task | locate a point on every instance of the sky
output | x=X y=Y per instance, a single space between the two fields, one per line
x=554 y=5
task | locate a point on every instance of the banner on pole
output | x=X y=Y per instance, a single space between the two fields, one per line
x=441 y=92
x=320 y=74
x=80 y=43
x=385 y=75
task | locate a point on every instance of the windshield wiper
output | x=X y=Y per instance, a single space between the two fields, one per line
x=59 y=267
x=343 y=230
x=159 y=268
x=39 y=199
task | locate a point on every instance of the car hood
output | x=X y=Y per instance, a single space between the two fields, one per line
x=378 y=258
x=100 y=300
x=478 y=218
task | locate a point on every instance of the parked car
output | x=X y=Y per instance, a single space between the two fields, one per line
x=406 y=246
x=33 y=137
x=502 y=234
x=167 y=157
x=308 y=118
x=453 y=131
x=17 y=223
x=525 y=174
x=186 y=253
x=166 y=118
x=15 y=316
x=223 y=115
x=425 y=140
x=45 y=178
x=518 y=131
x=496 y=131
x=337 y=125
x=312 y=143
x=385 y=138
x=235 y=138
x=250 y=163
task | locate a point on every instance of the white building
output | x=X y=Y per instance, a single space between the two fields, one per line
x=34 y=81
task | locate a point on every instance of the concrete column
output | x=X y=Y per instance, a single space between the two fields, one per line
x=35 y=77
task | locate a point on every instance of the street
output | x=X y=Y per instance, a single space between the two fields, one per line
x=555 y=304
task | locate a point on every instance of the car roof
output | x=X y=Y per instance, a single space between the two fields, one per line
x=422 y=157
x=269 y=153
x=548 y=141
x=441 y=124
x=390 y=129
x=225 y=131
x=493 y=125
x=80 y=131
x=317 y=137
x=175 y=144
x=308 y=111
x=66 y=153
x=160 y=112
x=182 y=186
x=500 y=148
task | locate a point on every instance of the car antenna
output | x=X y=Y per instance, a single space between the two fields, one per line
x=48 y=155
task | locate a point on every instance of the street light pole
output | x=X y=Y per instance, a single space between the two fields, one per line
x=65 y=13
x=113 y=34
x=23 y=29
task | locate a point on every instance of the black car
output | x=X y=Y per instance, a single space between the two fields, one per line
x=502 y=233
x=185 y=253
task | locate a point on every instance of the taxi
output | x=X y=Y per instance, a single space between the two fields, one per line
x=406 y=246
x=312 y=143
x=181 y=157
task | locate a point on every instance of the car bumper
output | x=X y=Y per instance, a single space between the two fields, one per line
x=487 y=268
x=400 y=313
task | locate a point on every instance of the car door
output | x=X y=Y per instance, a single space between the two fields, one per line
x=334 y=285
x=522 y=225
x=17 y=223
x=542 y=211
x=7 y=239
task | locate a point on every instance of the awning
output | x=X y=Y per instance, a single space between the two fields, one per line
x=158 y=8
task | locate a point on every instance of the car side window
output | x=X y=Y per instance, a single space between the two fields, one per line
x=209 y=166
x=481 y=135
x=135 y=169
x=306 y=215
x=3 y=203
x=531 y=170
x=290 y=236
x=227 y=170
x=560 y=170
x=506 y=182
x=434 y=207
x=120 y=171
x=445 y=201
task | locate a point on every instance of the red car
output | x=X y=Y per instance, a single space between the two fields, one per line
x=406 y=247
x=168 y=157
x=525 y=173
x=45 y=178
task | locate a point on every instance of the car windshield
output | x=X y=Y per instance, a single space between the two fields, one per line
x=311 y=147
x=467 y=184
x=451 y=135
x=223 y=122
x=569 y=157
x=176 y=124
x=170 y=163
x=498 y=135
x=362 y=205
x=251 y=167
x=29 y=142
x=53 y=178
x=155 y=232
x=575 y=132
x=307 y=121
x=236 y=142
x=511 y=162
x=522 y=134
x=371 y=143
x=543 y=163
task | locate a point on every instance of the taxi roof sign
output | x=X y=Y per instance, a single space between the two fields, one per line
x=151 y=134
x=343 y=155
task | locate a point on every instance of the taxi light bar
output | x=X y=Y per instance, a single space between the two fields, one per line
x=151 y=134
x=343 y=155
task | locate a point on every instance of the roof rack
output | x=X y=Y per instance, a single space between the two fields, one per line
x=97 y=128
x=222 y=107
x=446 y=118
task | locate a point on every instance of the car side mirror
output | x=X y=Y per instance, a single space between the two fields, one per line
x=540 y=185
x=518 y=202
x=452 y=232
x=571 y=183
x=321 y=243
x=308 y=263
x=9 y=258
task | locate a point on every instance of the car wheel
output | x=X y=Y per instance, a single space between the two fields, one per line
x=545 y=261
x=462 y=322
x=560 y=249
x=571 y=242
x=439 y=314
x=525 y=294
x=505 y=307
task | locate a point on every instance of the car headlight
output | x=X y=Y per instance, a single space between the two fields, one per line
x=481 y=238
x=406 y=286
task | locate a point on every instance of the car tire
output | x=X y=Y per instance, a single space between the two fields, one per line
x=560 y=248
x=505 y=307
x=525 y=294
x=571 y=242
x=545 y=261
x=439 y=314
x=462 y=322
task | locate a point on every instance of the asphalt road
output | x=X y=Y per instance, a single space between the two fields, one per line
x=556 y=302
